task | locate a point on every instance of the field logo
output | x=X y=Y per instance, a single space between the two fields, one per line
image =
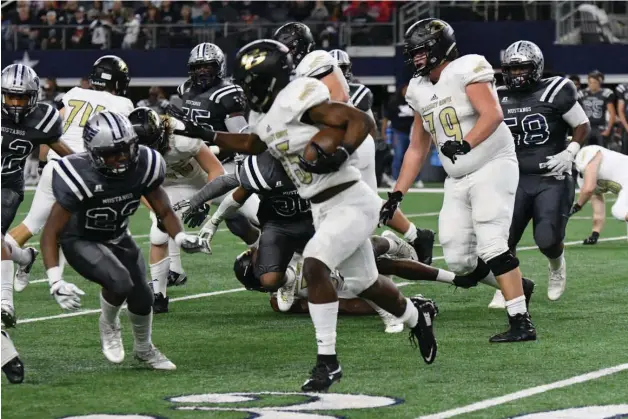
x=616 y=411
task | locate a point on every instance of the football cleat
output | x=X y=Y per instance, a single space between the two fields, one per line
x=286 y=294
x=9 y=319
x=528 y=290
x=424 y=245
x=521 y=330
x=154 y=359
x=393 y=324
x=160 y=303
x=12 y=365
x=111 y=341
x=423 y=332
x=404 y=249
x=557 y=281
x=498 y=301
x=175 y=279
x=21 y=274
x=592 y=239
x=322 y=377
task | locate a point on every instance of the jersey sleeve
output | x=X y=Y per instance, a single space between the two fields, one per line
x=183 y=88
x=58 y=101
x=316 y=64
x=127 y=107
x=474 y=69
x=255 y=173
x=562 y=94
x=303 y=94
x=68 y=187
x=622 y=92
x=609 y=96
x=154 y=167
x=233 y=101
x=51 y=124
x=412 y=96
x=362 y=99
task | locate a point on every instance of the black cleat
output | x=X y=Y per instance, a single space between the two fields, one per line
x=9 y=319
x=423 y=332
x=322 y=377
x=175 y=279
x=160 y=305
x=528 y=289
x=521 y=330
x=592 y=239
x=424 y=245
x=13 y=369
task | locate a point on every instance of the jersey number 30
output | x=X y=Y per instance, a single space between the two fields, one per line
x=534 y=129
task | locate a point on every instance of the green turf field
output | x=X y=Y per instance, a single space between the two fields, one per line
x=226 y=340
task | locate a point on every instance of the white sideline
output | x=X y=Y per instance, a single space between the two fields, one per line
x=484 y=404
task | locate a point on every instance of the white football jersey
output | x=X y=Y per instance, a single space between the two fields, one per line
x=286 y=136
x=447 y=113
x=78 y=106
x=612 y=175
x=320 y=62
x=181 y=165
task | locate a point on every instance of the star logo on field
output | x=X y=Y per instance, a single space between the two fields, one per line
x=26 y=60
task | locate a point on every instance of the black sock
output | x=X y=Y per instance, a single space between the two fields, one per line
x=327 y=359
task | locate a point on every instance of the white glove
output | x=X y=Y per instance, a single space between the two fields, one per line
x=192 y=244
x=563 y=161
x=68 y=295
x=209 y=229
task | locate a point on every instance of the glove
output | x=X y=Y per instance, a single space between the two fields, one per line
x=452 y=149
x=390 y=206
x=194 y=217
x=561 y=162
x=325 y=162
x=195 y=130
x=68 y=295
x=209 y=229
x=183 y=204
x=576 y=207
x=176 y=112
x=192 y=244
x=40 y=167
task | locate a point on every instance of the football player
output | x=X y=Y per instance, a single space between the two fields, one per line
x=284 y=117
x=96 y=192
x=455 y=106
x=109 y=80
x=360 y=96
x=603 y=170
x=12 y=365
x=321 y=65
x=621 y=91
x=26 y=124
x=540 y=114
x=209 y=98
x=597 y=101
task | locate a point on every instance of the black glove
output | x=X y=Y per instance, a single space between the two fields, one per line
x=390 y=206
x=576 y=207
x=325 y=162
x=196 y=130
x=194 y=217
x=452 y=149
x=176 y=112
x=41 y=166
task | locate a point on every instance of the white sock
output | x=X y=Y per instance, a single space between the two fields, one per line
x=411 y=316
x=20 y=256
x=7 y=281
x=108 y=312
x=393 y=246
x=490 y=280
x=556 y=264
x=142 y=328
x=325 y=319
x=410 y=235
x=516 y=306
x=445 y=276
x=175 y=257
x=159 y=275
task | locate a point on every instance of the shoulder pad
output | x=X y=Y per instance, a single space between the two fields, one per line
x=561 y=92
x=302 y=94
x=257 y=172
x=473 y=68
x=232 y=100
x=152 y=168
x=225 y=91
x=127 y=106
x=607 y=93
x=362 y=98
x=412 y=95
x=183 y=88
x=49 y=120
x=69 y=181
x=622 y=92
x=585 y=155
x=316 y=64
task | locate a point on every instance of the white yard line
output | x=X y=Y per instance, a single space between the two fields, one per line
x=484 y=404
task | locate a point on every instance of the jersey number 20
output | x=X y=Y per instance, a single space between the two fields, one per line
x=106 y=218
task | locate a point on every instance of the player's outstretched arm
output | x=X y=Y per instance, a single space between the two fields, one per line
x=414 y=158
x=590 y=180
x=209 y=163
x=357 y=124
x=612 y=116
x=61 y=148
x=489 y=111
x=227 y=207
x=213 y=189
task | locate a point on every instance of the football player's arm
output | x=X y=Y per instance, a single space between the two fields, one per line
x=209 y=163
x=217 y=187
x=357 y=124
x=55 y=224
x=579 y=122
x=158 y=200
x=612 y=116
x=43 y=156
x=489 y=111
x=60 y=147
x=621 y=113
x=419 y=148
x=590 y=180
x=336 y=86
x=231 y=204
x=240 y=143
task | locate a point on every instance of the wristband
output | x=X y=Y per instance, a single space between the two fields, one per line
x=178 y=239
x=54 y=275
x=573 y=148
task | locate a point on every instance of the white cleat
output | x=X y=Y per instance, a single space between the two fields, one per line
x=154 y=359
x=404 y=249
x=557 y=282
x=393 y=324
x=21 y=279
x=498 y=301
x=286 y=294
x=111 y=341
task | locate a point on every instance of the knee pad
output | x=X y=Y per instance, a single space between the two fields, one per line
x=545 y=236
x=140 y=300
x=480 y=272
x=243 y=269
x=503 y=263
x=270 y=281
x=461 y=264
x=552 y=252
x=158 y=237
x=120 y=283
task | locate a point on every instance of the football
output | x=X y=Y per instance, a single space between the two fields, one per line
x=327 y=138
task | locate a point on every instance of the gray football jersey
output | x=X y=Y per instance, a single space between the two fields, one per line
x=360 y=96
x=43 y=125
x=101 y=205
x=535 y=118
x=214 y=105
x=279 y=200
x=594 y=105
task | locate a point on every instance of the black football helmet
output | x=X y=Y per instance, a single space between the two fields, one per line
x=522 y=65
x=149 y=128
x=262 y=69
x=432 y=37
x=243 y=269
x=298 y=38
x=111 y=73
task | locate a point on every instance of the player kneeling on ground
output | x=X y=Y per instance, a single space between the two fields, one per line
x=96 y=193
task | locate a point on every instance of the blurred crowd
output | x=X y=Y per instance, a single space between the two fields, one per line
x=148 y=24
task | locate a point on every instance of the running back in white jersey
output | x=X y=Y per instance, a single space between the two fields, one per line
x=318 y=64
x=612 y=175
x=78 y=106
x=448 y=113
x=181 y=165
x=286 y=136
